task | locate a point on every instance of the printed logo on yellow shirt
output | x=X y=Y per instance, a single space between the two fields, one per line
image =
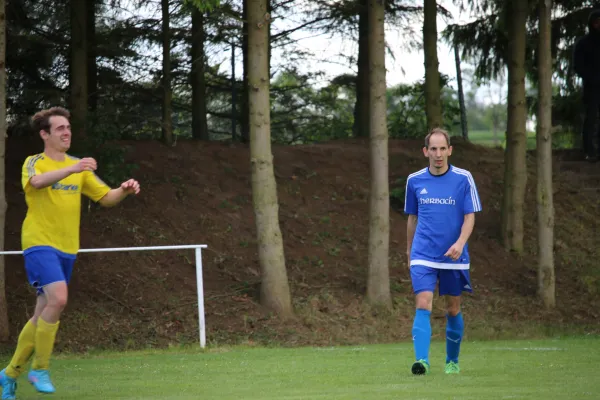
x=68 y=188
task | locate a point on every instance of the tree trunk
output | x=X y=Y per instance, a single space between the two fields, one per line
x=4 y=331
x=233 y=93
x=433 y=106
x=245 y=106
x=78 y=68
x=199 y=120
x=461 y=95
x=167 y=124
x=495 y=130
x=275 y=292
x=361 y=107
x=378 y=284
x=515 y=173
x=270 y=12
x=545 y=202
x=92 y=72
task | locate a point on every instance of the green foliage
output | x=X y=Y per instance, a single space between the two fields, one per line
x=398 y=193
x=406 y=103
x=125 y=97
x=204 y=5
x=112 y=166
x=565 y=139
x=484 y=43
x=100 y=144
x=301 y=113
x=127 y=94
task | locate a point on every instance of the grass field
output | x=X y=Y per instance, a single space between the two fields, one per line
x=548 y=369
x=486 y=138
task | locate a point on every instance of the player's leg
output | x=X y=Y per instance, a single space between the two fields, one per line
x=455 y=327
x=47 y=327
x=424 y=280
x=56 y=294
x=452 y=284
x=40 y=304
x=26 y=341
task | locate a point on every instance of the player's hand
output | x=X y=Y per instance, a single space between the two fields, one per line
x=85 y=164
x=455 y=251
x=408 y=259
x=131 y=186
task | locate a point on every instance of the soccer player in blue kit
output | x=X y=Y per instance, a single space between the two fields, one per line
x=441 y=202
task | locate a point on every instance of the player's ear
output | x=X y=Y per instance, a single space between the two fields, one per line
x=449 y=150
x=43 y=134
x=425 y=151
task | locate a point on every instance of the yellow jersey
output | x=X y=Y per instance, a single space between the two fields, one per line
x=54 y=212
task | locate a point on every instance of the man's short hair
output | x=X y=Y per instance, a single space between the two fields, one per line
x=439 y=131
x=41 y=120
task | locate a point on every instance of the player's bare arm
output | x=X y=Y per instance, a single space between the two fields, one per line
x=51 y=177
x=411 y=226
x=467 y=228
x=115 y=196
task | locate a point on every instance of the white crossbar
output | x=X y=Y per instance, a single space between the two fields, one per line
x=199 y=281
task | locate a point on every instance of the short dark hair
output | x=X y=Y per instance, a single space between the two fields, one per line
x=439 y=131
x=41 y=120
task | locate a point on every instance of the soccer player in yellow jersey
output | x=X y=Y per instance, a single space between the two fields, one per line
x=53 y=183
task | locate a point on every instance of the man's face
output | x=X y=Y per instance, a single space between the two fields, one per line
x=438 y=152
x=59 y=137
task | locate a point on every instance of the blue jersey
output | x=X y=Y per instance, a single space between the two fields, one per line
x=440 y=203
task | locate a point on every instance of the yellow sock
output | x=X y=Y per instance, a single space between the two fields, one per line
x=24 y=350
x=44 y=344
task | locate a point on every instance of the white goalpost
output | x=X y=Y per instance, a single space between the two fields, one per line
x=199 y=280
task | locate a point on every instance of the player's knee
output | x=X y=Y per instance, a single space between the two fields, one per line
x=424 y=305
x=59 y=301
x=453 y=309
x=424 y=301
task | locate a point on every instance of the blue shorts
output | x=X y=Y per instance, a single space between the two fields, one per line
x=45 y=265
x=452 y=282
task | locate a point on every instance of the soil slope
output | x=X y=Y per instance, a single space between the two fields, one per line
x=200 y=193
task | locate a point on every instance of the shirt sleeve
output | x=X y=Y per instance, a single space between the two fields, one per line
x=93 y=186
x=472 y=203
x=410 y=199
x=30 y=169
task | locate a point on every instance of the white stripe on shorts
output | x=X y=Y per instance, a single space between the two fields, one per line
x=438 y=265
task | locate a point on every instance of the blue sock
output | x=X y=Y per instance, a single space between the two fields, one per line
x=454 y=332
x=421 y=332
